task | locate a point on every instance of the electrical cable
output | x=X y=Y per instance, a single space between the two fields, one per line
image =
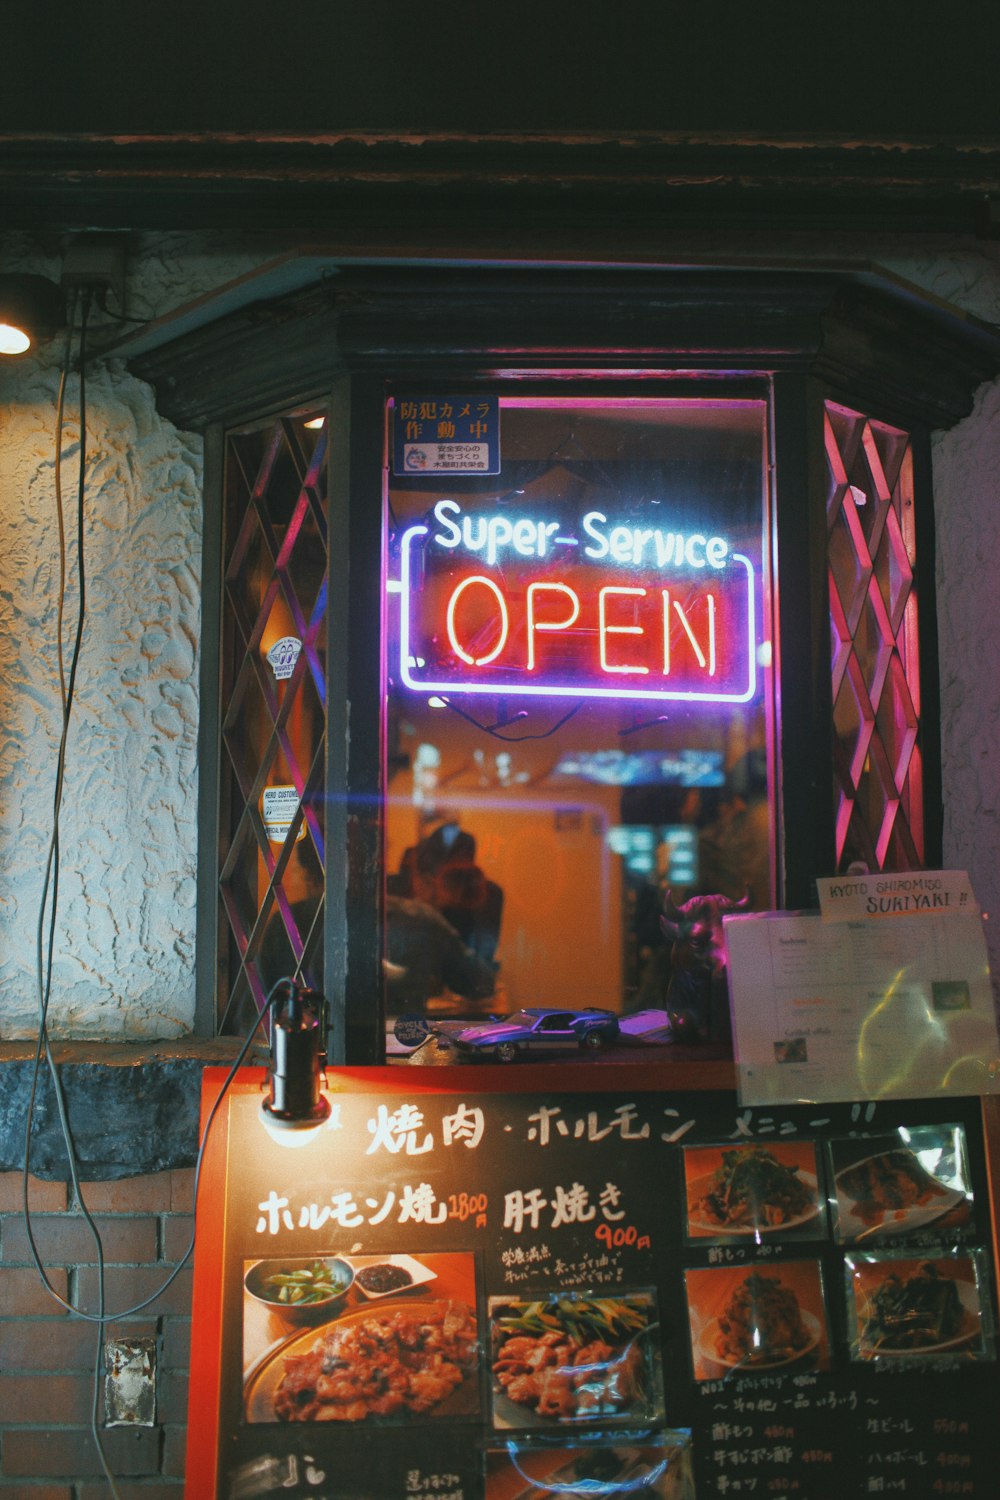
x=511 y=739
x=129 y=1312
x=50 y=882
x=120 y=318
x=49 y=906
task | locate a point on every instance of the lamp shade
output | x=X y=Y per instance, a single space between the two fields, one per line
x=31 y=308
x=298 y=1050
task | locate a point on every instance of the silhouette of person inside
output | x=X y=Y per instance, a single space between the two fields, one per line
x=442 y=871
x=425 y=958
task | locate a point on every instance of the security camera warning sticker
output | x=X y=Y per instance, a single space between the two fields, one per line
x=446 y=435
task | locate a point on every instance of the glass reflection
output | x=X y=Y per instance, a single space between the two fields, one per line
x=577 y=691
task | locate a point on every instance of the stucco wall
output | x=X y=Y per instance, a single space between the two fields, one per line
x=966 y=488
x=124 y=962
x=124 y=951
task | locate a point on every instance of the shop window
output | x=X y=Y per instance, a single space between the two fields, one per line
x=873 y=633
x=274 y=700
x=707 y=682
x=578 y=697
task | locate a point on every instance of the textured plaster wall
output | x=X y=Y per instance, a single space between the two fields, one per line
x=124 y=964
x=966 y=495
x=124 y=951
x=967 y=487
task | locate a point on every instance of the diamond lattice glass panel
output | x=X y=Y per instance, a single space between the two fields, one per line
x=252 y=562
x=840 y=642
x=896 y=722
x=247 y=727
x=852 y=726
x=894 y=570
x=850 y=569
x=240 y=883
x=874 y=644
x=271 y=884
x=875 y=797
x=874 y=663
x=899 y=850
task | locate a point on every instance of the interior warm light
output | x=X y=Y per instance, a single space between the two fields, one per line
x=315 y=422
x=31 y=308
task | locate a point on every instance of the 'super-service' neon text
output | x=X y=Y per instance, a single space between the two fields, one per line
x=493 y=602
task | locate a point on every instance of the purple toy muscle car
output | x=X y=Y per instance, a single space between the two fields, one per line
x=536 y=1030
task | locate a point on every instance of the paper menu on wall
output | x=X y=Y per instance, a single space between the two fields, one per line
x=860 y=1010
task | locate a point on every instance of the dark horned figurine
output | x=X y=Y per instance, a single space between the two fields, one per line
x=697 y=993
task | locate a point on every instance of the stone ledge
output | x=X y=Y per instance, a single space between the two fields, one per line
x=133 y=1108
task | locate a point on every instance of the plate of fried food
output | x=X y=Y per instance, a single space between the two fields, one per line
x=575 y=1357
x=391 y=1362
x=762 y=1327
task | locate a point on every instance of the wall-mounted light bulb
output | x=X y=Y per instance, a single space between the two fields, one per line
x=13 y=340
x=291 y=1136
x=31 y=308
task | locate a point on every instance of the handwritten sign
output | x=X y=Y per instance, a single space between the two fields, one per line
x=852 y=898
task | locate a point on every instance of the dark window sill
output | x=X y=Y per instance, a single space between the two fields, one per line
x=133 y=1107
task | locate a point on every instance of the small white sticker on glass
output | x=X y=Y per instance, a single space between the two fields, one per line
x=279 y=805
x=282 y=657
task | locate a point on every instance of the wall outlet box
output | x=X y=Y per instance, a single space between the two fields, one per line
x=96 y=262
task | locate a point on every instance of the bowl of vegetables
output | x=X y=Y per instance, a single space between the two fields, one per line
x=301 y=1291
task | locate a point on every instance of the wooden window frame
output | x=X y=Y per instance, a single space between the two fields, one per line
x=812 y=336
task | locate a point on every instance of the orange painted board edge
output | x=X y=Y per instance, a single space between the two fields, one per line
x=204 y=1382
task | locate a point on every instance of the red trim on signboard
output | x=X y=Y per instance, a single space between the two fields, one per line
x=204 y=1382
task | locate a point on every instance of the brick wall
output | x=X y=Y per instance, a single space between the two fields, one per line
x=47 y=1355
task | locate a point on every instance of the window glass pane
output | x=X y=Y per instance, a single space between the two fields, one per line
x=577 y=702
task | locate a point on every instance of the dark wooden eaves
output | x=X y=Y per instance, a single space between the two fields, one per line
x=587 y=194
x=909 y=356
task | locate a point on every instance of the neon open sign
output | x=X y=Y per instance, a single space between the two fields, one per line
x=513 y=605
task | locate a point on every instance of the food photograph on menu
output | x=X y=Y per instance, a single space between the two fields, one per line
x=360 y=1339
x=748 y=1191
x=757 y=1320
x=905 y=1183
x=575 y=1357
x=650 y=1465
x=908 y=1308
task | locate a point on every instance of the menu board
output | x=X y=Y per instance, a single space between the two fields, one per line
x=516 y=1283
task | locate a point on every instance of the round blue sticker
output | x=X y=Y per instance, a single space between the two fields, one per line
x=410 y=1031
